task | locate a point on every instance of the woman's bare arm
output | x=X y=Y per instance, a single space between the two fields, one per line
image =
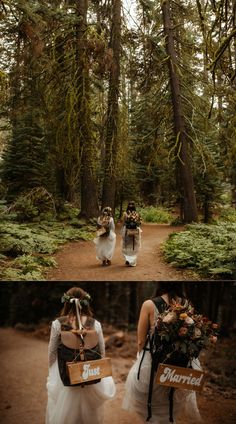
x=145 y=322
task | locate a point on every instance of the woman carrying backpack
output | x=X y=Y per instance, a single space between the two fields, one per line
x=155 y=405
x=131 y=235
x=105 y=241
x=75 y=404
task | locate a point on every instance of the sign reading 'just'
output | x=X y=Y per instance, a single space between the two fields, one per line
x=81 y=372
x=183 y=378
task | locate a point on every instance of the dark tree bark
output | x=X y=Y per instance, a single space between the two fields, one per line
x=111 y=140
x=208 y=304
x=182 y=143
x=89 y=198
x=119 y=304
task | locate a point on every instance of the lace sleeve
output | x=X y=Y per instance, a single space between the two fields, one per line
x=101 y=342
x=54 y=342
x=112 y=225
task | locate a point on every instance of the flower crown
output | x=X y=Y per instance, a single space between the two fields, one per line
x=83 y=301
x=107 y=211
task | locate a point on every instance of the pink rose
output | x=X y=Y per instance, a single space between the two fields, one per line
x=213 y=339
x=182 y=331
x=215 y=326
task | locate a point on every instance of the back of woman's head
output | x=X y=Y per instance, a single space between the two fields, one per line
x=69 y=307
x=131 y=206
x=174 y=289
x=107 y=211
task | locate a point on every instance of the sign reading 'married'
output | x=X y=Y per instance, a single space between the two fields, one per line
x=183 y=378
x=80 y=372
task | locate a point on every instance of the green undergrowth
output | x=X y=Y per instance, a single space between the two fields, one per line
x=26 y=248
x=227 y=215
x=209 y=250
x=156 y=215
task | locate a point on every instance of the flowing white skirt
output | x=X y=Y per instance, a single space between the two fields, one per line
x=76 y=405
x=136 y=396
x=105 y=246
x=131 y=246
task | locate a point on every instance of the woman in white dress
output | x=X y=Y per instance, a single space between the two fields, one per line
x=75 y=404
x=131 y=235
x=105 y=241
x=137 y=383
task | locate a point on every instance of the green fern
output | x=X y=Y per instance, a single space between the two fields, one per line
x=208 y=249
x=155 y=214
x=28 y=243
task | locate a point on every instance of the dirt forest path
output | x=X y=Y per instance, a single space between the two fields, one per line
x=23 y=399
x=77 y=261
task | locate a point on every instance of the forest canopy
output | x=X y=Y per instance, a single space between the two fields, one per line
x=104 y=100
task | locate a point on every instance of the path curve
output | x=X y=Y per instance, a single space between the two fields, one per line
x=77 y=262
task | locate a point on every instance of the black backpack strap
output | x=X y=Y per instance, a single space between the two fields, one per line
x=160 y=304
x=171 y=404
x=144 y=351
x=149 y=405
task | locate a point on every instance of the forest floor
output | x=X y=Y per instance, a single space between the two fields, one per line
x=77 y=260
x=23 y=358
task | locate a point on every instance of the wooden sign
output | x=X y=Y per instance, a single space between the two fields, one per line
x=80 y=372
x=183 y=378
x=132 y=231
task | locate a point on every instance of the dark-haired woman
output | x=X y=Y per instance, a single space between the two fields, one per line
x=137 y=384
x=105 y=241
x=131 y=235
x=68 y=404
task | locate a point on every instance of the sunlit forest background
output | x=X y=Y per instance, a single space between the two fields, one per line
x=104 y=101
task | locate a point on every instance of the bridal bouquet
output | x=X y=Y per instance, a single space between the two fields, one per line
x=187 y=331
x=133 y=219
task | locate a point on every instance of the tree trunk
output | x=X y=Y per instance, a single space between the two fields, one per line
x=182 y=143
x=89 y=199
x=111 y=140
x=207 y=209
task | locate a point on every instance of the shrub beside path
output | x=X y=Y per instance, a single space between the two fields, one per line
x=77 y=261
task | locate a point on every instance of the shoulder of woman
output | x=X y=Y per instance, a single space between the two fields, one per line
x=56 y=324
x=148 y=305
x=97 y=324
x=61 y=319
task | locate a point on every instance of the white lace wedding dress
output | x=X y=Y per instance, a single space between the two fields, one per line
x=131 y=246
x=105 y=246
x=136 y=394
x=75 y=405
